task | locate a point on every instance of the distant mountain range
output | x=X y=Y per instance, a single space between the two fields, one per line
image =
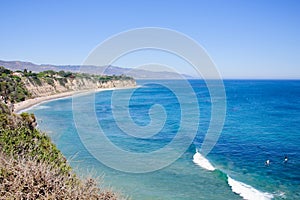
x=91 y=69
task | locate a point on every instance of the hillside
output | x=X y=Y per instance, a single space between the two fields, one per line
x=92 y=69
x=22 y=85
x=31 y=167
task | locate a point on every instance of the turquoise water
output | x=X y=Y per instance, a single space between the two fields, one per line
x=262 y=122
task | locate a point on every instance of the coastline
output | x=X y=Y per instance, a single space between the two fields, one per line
x=25 y=105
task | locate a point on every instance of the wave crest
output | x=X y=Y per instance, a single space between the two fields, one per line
x=247 y=191
x=202 y=162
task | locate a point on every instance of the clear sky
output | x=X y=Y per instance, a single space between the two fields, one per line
x=246 y=39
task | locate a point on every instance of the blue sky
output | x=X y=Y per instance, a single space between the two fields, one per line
x=246 y=39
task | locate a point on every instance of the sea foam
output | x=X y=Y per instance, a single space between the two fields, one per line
x=247 y=191
x=202 y=162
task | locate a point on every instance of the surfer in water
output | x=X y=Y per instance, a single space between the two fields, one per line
x=267 y=163
x=285 y=159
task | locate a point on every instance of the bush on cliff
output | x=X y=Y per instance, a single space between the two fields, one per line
x=31 y=167
x=12 y=88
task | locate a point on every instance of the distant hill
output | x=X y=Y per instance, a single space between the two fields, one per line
x=91 y=69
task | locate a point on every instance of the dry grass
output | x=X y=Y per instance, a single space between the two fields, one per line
x=31 y=167
x=29 y=179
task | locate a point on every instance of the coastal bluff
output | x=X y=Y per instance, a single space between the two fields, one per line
x=20 y=89
x=56 y=86
x=31 y=166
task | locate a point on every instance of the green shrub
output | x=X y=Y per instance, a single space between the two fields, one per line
x=12 y=89
x=35 y=80
x=31 y=166
x=62 y=81
x=49 y=81
x=4 y=70
x=42 y=75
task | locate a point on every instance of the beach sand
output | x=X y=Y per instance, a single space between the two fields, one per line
x=21 y=106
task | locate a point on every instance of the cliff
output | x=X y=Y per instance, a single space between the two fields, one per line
x=45 y=88
x=19 y=86
x=31 y=166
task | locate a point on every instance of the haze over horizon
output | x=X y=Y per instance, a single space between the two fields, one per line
x=245 y=39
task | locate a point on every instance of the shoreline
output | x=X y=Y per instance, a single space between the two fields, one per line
x=27 y=104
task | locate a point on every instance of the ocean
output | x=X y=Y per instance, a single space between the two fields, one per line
x=262 y=122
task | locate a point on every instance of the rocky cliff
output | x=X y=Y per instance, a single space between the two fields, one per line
x=55 y=86
x=19 y=86
x=31 y=166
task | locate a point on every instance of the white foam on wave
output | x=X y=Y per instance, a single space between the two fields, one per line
x=34 y=107
x=202 y=162
x=40 y=107
x=247 y=191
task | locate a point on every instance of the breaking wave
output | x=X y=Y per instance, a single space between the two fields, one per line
x=247 y=192
x=202 y=162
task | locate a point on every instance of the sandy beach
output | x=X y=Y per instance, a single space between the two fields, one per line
x=21 y=106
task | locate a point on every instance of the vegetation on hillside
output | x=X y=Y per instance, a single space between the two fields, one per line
x=31 y=167
x=19 y=138
x=29 y=179
x=62 y=76
x=13 y=90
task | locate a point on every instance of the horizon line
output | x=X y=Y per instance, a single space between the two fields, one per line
x=192 y=77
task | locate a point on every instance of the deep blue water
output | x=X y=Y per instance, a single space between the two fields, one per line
x=262 y=122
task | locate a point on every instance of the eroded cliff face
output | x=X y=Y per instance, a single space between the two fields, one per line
x=46 y=88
